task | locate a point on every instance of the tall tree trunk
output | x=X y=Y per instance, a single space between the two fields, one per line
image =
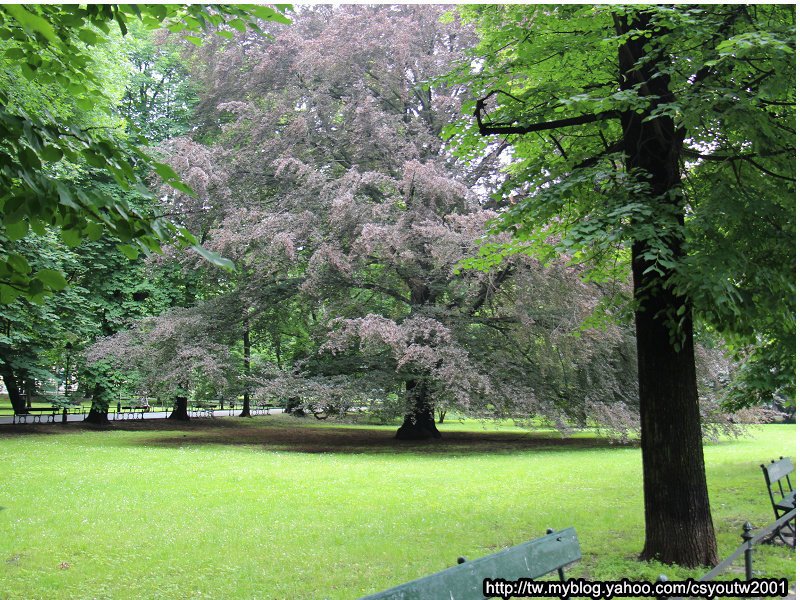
x=181 y=410
x=10 y=380
x=419 y=422
x=98 y=413
x=678 y=525
x=246 y=355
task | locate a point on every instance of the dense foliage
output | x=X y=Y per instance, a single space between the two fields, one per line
x=74 y=173
x=557 y=95
x=60 y=133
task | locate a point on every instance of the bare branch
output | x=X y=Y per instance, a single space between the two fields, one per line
x=730 y=157
x=506 y=128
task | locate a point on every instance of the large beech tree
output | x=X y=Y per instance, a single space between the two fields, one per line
x=324 y=177
x=667 y=132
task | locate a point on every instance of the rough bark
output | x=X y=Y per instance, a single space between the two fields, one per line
x=10 y=380
x=678 y=525
x=419 y=422
x=181 y=410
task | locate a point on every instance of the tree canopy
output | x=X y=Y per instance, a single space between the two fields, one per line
x=59 y=130
x=663 y=134
x=732 y=98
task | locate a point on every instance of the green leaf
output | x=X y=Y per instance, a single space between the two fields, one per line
x=215 y=258
x=194 y=40
x=38 y=227
x=94 y=231
x=8 y=294
x=267 y=14
x=17 y=231
x=171 y=177
x=237 y=24
x=51 y=153
x=32 y=22
x=132 y=252
x=51 y=278
x=89 y=37
x=19 y=264
x=164 y=171
x=71 y=237
x=15 y=53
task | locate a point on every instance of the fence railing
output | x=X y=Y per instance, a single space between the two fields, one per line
x=751 y=539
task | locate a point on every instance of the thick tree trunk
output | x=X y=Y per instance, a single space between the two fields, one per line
x=10 y=380
x=98 y=413
x=181 y=410
x=419 y=422
x=245 y=405
x=97 y=416
x=678 y=525
x=246 y=356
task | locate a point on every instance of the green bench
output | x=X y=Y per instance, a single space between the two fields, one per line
x=782 y=496
x=530 y=560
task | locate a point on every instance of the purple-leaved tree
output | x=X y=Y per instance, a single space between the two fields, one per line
x=323 y=175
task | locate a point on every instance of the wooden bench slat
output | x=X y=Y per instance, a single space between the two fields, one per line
x=465 y=581
x=787 y=502
x=776 y=470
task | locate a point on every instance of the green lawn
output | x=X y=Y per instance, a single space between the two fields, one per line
x=276 y=507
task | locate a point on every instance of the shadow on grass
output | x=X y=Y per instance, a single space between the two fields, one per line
x=274 y=435
x=288 y=434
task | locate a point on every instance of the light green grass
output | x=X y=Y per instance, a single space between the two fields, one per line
x=275 y=507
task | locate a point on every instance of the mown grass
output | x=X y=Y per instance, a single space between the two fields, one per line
x=277 y=507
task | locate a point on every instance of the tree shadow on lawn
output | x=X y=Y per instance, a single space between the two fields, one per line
x=349 y=440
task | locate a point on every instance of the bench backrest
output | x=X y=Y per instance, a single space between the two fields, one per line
x=465 y=581
x=777 y=470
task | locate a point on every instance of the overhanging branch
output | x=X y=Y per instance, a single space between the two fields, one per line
x=507 y=128
x=728 y=157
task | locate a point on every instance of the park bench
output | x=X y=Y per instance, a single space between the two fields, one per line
x=529 y=560
x=783 y=499
x=132 y=409
x=260 y=408
x=202 y=409
x=36 y=413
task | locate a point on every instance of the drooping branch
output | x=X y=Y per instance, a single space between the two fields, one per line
x=768 y=172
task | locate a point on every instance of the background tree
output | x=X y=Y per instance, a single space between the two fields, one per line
x=636 y=127
x=39 y=146
x=73 y=166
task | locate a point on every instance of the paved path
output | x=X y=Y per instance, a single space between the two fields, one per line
x=8 y=420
